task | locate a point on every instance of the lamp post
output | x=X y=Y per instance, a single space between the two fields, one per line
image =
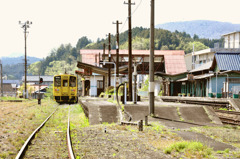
x=105 y=62
x=25 y=25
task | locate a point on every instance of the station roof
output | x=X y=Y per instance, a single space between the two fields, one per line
x=134 y=52
x=96 y=69
x=173 y=59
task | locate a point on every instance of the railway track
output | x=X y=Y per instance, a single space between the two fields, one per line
x=229 y=117
x=49 y=140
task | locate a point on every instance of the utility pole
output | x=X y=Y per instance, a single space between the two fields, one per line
x=25 y=25
x=117 y=47
x=109 y=59
x=130 y=47
x=151 y=64
x=104 y=45
x=103 y=59
x=1 y=79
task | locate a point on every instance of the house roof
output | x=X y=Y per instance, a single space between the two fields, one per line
x=11 y=81
x=228 y=61
x=205 y=66
x=36 y=78
x=175 y=64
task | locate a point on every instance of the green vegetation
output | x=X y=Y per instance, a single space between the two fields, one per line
x=164 y=40
x=190 y=149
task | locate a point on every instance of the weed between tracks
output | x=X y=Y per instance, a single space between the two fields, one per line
x=18 y=121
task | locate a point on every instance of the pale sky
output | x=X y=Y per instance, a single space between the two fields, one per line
x=57 y=22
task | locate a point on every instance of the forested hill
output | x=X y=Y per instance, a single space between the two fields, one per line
x=202 y=28
x=164 y=40
x=66 y=56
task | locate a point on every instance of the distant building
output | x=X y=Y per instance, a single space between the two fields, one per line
x=47 y=80
x=232 y=40
x=9 y=89
x=198 y=58
x=219 y=78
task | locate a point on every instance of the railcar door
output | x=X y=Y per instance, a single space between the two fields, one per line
x=57 y=88
x=73 y=85
x=65 y=87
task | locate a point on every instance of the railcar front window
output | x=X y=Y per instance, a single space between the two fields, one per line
x=65 y=83
x=57 y=81
x=72 y=81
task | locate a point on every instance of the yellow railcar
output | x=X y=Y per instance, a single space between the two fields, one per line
x=65 y=88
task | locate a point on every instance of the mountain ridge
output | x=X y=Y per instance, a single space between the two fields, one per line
x=202 y=28
x=18 y=60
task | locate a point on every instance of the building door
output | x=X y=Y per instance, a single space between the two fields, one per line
x=87 y=87
x=99 y=87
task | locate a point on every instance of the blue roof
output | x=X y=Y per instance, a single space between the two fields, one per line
x=228 y=61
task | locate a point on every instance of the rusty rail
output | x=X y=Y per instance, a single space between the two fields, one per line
x=229 y=117
x=69 y=143
x=27 y=142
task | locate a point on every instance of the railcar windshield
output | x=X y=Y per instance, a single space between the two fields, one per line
x=72 y=82
x=65 y=83
x=57 y=81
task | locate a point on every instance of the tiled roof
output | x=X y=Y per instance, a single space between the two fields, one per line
x=174 y=64
x=228 y=61
x=205 y=66
x=11 y=81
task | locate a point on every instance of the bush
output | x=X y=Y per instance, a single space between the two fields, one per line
x=110 y=90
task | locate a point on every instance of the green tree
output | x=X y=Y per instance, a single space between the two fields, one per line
x=82 y=42
x=197 y=46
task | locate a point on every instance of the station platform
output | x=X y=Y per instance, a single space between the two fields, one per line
x=99 y=110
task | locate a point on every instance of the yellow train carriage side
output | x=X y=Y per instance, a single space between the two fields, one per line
x=65 y=89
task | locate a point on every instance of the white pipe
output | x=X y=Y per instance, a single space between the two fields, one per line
x=104 y=62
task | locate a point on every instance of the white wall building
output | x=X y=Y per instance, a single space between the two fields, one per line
x=232 y=40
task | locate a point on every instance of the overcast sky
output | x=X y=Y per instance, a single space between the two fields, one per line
x=57 y=22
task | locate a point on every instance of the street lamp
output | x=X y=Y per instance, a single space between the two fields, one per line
x=25 y=25
x=105 y=62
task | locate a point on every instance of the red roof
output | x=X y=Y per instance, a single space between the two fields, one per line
x=134 y=52
x=174 y=59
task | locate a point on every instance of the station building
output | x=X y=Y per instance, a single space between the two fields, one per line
x=95 y=74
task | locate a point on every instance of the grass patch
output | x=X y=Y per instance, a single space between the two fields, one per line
x=189 y=148
x=179 y=114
